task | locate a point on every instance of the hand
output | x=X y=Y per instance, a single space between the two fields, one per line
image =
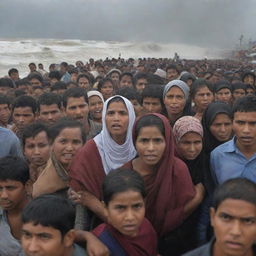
x=95 y=247
x=77 y=197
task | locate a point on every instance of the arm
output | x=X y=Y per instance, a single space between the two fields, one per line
x=90 y=201
x=94 y=246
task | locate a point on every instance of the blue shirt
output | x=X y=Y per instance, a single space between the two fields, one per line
x=9 y=143
x=228 y=162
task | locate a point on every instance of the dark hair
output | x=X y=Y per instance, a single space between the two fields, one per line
x=116 y=98
x=248 y=73
x=146 y=121
x=74 y=93
x=32 y=130
x=14 y=168
x=5 y=100
x=19 y=92
x=172 y=66
x=6 y=82
x=198 y=84
x=127 y=74
x=25 y=101
x=32 y=64
x=49 y=98
x=130 y=94
x=59 y=86
x=35 y=76
x=103 y=81
x=140 y=76
x=85 y=76
x=122 y=180
x=21 y=82
x=64 y=123
x=238 y=188
x=50 y=211
x=55 y=74
x=64 y=64
x=12 y=70
x=245 y=104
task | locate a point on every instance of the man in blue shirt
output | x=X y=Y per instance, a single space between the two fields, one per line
x=237 y=157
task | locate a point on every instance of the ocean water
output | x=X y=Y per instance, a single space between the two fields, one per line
x=18 y=53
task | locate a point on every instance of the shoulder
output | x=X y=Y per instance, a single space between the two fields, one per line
x=228 y=146
x=204 y=250
x=79 y=251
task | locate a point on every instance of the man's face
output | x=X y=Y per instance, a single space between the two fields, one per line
x=171 y=74
x=77 y=108
x=141 y=84
x=244 y=126
x=234 y=224
x=12 y=194
x=249 y=80
x=22 y=116
x=37 y=149
x=5 y=114
x=49 y=113
x=32 y=67
x=38 y=240
x=35 y=82
x=152 y=105
x=126 y=81
x=15 y=76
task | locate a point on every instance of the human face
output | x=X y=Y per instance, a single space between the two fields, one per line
x=203 y=98
x=174 y=101
x=13 y=195
x=250 y=91
x=4 y=90
x=126 y=81
x=234 y=224
x=66 y=145
x=137 y=107
x=37 y=149
x=107 y=90
x=249 y=80
x=125 y=212
x=15 y=76
x=77 y=108
x=5 y=114
x=84 y=83
x=223 y=95
x=117 y=120
x=38 y=240
x=141 y=84
x=49 y=113
x=35 y=82
x=238 y=93
x=150 y=145
x=115 y=76
x=95 y=107
x=152 y=105
x=32 y=68
x=171 y=74
x=23 y=116
x=190 y=146
x=244 y=126
x=221 y=127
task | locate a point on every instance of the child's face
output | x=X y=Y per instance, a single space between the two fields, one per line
x=126 y=211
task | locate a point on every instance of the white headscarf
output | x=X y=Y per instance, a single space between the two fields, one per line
x=95 y=93
x=112 y=154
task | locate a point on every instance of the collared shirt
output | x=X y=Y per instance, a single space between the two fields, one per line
x=8 y=244
x=228 y=162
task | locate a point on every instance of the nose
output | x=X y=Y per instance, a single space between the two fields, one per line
x=78 y=111
x=246 y=128
x=4 y=194
x=33 y=245
x=69 y=147
x=236 y=228
x=192 y=147
x=36 y=150
x=50 y=117
x=129 y=215
x=205 y=97
x=223 y=128
x=150 y=146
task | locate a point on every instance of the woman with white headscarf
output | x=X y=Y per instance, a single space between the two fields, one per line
x=107 y=151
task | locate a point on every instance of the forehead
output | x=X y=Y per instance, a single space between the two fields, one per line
x=38 y=137
x=39 y=229
x=49 y=107
x=116 y=105
x=95 y=98
x=223 y=90
x=151 y=99
x=126 y=197
x=5 y=183
x=70 y=132
x=73 y=100
x=23 y=110
x=245 y=116
x=191 y=136
x=237 y=208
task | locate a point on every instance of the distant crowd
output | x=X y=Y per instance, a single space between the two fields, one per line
x=129 y=157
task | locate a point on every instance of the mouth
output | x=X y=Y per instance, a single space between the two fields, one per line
x=150 y=157
x=5 y=203
x=116 y=126
x=246 y=139
x=130 y=227
x=234 y=245
x=68 y=156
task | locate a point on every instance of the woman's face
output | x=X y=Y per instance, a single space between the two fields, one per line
x=66 y=145
x=84 y=83
x=190 y=146
x=174 y=101
x=107 y=90
x=221 y=127
x=150 y=145
x=117 y=121
x=223 y=95
x=95 y=107
x=238 y=93
x=203 y=98
x=126 y=211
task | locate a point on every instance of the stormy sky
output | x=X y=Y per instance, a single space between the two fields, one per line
x=208 y=23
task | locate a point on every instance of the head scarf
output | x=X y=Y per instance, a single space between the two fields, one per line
x=187 y=124
x=112 y=154
x=95 y=93
x=166 y=196
x=182 y=85
x=213 y=109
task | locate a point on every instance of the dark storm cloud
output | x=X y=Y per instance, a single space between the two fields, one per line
x=199 y=22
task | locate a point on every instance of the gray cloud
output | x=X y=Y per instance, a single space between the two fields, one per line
x=209 y=23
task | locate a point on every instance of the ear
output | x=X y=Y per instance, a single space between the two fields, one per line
x=29 y=187
x=69 y=238
x=212 y=215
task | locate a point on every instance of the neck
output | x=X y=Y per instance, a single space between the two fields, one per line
x=173 y=117
x=120 y=140
x=142 y=168
x=86 y=126
x=248 y=151
x=18 y=210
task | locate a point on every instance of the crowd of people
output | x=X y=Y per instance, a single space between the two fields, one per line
x=123 y=157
